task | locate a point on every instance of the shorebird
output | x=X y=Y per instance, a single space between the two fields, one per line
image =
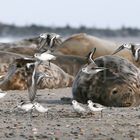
x=134 y=48
x=51 y=39
x=79 y=109
x=45 y=56
x=92 y=68
x=92 y=107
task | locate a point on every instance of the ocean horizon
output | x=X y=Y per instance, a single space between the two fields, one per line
x=9 y=39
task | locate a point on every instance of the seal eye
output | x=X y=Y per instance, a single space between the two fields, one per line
x=114 y=91
x=130 y=90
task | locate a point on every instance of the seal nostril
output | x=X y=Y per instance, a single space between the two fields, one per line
x=128 y=94
x=130 y=90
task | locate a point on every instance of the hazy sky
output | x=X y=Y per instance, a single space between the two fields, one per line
x=99 y=13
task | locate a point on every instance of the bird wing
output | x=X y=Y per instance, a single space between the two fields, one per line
x=16 y=54
x=11 y=71
x=97 y=109
x=40 y=108
x=80 y=108
x=31 y=85
x=98 y=105
x=42 y=44
x=31 y=82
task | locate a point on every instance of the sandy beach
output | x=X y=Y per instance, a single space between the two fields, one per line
x=61 y=122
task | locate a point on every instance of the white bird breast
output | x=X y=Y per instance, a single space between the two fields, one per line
x=45 y=56
x=77 y=107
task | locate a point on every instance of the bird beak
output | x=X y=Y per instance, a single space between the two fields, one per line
x=119 y=49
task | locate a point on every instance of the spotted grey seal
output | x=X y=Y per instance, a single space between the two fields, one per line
x=118 y=85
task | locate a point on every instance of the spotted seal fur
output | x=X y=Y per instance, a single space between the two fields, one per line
x=18 y=80
x=118 y=85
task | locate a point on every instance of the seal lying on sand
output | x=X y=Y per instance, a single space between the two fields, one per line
x=118 y=85
x=58 y=78
x=82 y=44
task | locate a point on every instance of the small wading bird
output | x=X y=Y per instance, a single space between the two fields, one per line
x=95 y=69
x=92 y=107
x=77 y=108
x=44 y=56
x=134 y=48
x=49 y=39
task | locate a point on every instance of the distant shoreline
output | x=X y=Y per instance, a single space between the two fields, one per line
x=10 y=30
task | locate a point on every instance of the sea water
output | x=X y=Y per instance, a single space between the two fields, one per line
x=9 y=39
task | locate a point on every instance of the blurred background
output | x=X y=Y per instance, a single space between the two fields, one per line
x=116 y=20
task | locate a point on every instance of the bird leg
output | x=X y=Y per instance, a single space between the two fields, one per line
x=49 y=63
x=31 y=112
x=101 y=113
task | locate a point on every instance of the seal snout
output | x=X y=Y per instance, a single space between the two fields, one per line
x=128 y=98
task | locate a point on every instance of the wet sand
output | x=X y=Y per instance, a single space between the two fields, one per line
x=62 y=123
